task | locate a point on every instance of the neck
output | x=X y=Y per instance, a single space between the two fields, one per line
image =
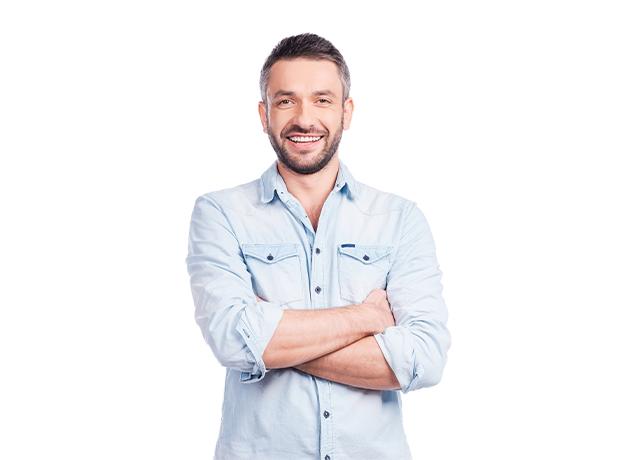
x=311 y=189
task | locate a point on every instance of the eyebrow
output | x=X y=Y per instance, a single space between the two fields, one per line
x=322 y=92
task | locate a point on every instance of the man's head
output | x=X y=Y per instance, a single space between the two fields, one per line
x=305 y=86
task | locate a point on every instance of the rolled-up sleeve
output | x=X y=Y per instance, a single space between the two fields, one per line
x=234 y=324
x=416 y=347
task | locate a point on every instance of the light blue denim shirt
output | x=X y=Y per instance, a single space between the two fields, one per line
x=256 y=239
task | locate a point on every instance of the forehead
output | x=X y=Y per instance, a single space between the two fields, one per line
x=303 y=76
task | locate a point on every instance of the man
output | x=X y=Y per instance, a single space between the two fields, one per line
x=320 y=295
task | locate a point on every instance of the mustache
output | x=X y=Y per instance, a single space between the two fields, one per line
x=297 y=129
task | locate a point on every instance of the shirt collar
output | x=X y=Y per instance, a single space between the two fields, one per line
x=271 y=181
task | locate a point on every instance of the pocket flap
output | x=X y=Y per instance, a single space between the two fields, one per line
x=270 y=253
x=365 y=254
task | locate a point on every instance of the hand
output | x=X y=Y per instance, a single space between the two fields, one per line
x=377 y=303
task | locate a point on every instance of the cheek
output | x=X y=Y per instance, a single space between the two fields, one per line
x=334 y=122
x=278 y=125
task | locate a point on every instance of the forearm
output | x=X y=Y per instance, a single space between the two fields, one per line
x=304 y=335
x=361 y=364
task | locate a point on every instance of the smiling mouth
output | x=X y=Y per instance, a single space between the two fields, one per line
x=305 y=141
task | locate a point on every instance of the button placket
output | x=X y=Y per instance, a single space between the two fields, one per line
x=324 y=214
x=326 y=415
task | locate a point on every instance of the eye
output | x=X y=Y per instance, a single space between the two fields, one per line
x=324 y=100
x=282 y=101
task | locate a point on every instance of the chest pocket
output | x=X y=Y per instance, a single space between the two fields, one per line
x=362 y=268
x=276 y=271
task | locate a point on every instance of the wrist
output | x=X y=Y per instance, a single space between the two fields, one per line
x=365 y=319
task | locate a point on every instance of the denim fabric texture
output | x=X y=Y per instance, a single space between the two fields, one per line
x=256 y=239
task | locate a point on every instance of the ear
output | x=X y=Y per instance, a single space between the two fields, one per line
x=348 y=112
x=262 y=110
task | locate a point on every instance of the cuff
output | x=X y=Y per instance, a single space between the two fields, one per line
x=396 y=345
x=257 y=324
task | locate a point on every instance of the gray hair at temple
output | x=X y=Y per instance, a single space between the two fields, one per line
x=308 y=46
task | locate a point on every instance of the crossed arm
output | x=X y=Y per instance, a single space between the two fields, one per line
x=360 y=364
x=413 y=349
x=351 y=350
x=336 y=344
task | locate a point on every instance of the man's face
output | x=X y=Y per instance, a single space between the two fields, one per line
x=304 y=115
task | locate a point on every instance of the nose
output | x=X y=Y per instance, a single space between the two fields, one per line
x=304 y=116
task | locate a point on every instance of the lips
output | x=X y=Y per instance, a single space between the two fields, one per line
x=303 y=141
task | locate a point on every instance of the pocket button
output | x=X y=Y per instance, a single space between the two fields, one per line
x=275 y=270
x=362 y=268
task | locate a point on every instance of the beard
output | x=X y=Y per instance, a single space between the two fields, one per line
x=317 y=160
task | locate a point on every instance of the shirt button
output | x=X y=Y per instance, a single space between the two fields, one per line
x=317 y=250
x=327 y=458
x=269 y=257
x=326 y=414
x=366 y=257
x=318 y=289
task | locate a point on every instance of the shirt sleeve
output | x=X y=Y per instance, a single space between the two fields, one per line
x=416 y=347
x=234 y=324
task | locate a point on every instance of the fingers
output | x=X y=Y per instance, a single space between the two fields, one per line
x=376 y=295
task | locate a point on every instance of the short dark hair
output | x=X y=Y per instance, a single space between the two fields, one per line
x=310 y=46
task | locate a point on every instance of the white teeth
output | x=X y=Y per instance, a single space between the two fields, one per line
x=304 y=139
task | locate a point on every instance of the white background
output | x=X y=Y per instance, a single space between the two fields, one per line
x=510 y=123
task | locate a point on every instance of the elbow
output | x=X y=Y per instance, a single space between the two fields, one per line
x=233 y=346
x=430 y=358
x=432 y=375
x=237 y=332
x=220 y=353
x=227 y=350
x=416 y=354
x=425 y=376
